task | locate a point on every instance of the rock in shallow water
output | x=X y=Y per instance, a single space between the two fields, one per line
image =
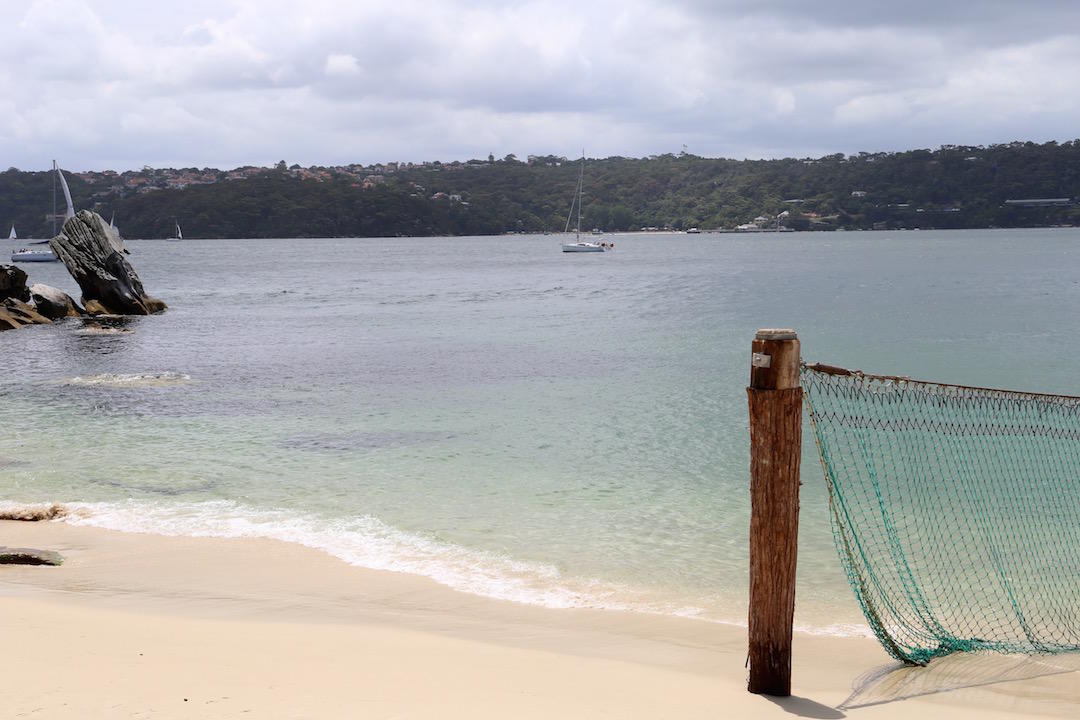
x=53 y=303
x=13 y=283
x=93 y=257
x=16 y=314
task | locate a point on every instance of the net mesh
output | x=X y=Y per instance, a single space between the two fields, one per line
x=955 y=511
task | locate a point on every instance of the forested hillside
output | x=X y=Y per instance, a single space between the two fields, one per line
x=951 y=187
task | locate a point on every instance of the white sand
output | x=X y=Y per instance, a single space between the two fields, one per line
x=145 y=626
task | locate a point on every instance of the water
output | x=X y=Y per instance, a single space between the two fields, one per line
x=560 y=429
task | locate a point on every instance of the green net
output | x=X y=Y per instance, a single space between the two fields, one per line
x=955 y=511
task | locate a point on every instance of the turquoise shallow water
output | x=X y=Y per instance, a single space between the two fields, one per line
x=568 y=430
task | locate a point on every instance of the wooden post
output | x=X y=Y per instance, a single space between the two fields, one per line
x=775 y=450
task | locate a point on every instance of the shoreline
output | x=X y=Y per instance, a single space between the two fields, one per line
x=265 y=628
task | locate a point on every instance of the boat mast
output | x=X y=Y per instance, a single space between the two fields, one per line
x=580 y=189
x=54 y=198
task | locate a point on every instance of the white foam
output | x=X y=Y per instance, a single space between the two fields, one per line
x=844 y=630
x=102 y=330
x=370 y=543
x=132 y=379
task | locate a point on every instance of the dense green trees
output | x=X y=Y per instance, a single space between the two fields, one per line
x=953 y=186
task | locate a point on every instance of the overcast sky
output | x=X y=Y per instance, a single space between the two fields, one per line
x=120 y=84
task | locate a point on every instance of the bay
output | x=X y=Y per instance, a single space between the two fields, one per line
x=561 y=429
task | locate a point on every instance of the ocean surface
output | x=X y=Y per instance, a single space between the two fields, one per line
x=568 y=430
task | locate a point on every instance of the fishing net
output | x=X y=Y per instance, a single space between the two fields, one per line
x=955 y=511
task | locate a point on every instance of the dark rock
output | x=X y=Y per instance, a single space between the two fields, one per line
x=54 y=303
x=29 y=556
x=13 y=283
x=16 y=314
x=94 y=256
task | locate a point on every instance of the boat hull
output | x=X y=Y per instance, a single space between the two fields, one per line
x=583 y=247
x=33 y=256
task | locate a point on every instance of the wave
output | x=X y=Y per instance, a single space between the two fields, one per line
x=370 y=543
x=158 y=379
x=102 y=330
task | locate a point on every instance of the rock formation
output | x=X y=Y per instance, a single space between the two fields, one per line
x=15 y=314
x=13 y=283
x=94 y=256
x=54 y=303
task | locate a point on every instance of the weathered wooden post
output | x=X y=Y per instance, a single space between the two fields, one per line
x=775 y=451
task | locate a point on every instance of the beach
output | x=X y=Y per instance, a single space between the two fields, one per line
x=423 y=481
x=137 y=625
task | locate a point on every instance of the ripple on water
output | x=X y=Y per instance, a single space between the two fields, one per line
x=361 y=440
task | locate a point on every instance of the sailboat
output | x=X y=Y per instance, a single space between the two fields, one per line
x=114 y=236
x=179 y=234
x=580 y=245
x=46 y=254
x=12 y=235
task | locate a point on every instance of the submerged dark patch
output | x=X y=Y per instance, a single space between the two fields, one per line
x=362 y=440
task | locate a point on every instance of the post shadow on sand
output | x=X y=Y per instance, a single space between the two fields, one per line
x=805 y=707
x=896 y=682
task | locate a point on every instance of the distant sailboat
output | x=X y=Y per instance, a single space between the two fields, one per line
x=114 y=236
x=12 y=235
x=579 y=245
x=179 y=234
x=46 y=254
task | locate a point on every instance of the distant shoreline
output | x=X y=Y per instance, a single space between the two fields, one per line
x=953 y=187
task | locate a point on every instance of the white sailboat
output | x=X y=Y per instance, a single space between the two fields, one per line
x=115 y=240
x=46 y=254
x=179 y=234
x=12 y=235
x=581 y=245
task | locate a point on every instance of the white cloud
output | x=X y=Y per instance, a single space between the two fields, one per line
x=126 y=83
x=342 y=64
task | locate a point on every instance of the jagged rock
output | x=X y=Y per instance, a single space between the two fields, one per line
x=16 y=314
x=13 y=283
x=93 y=255
x=54 y=303
x=29 y=556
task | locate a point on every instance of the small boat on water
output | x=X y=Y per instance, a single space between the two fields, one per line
x=28 y=255
x=581 y=245
x=12 y=235
x=179 y=234
x=584 y=247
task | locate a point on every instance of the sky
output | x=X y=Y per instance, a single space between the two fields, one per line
x=122 y=84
